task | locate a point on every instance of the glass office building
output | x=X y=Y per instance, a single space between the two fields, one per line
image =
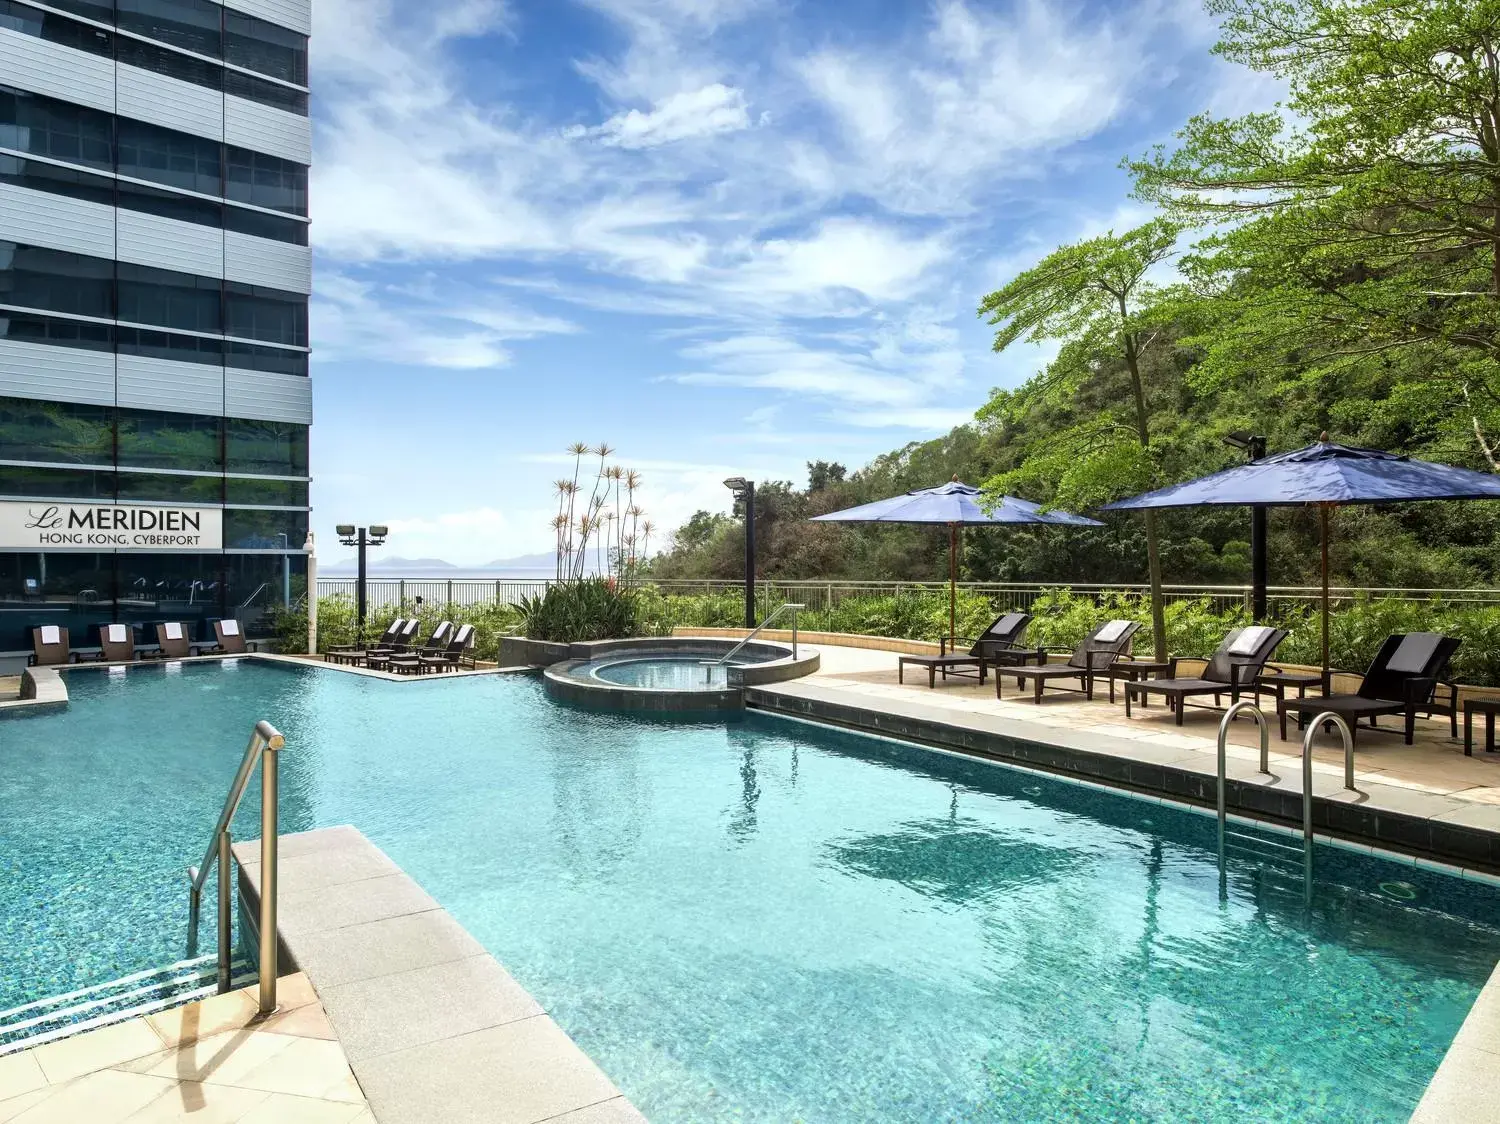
x=154 y=281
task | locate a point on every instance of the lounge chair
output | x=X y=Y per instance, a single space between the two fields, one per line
x=999 y=644
x=1403 y=678
x=458 y=652
x=404 y=639
x=116 y=645
x=49 y=646
x=437 y=643
x=386 y=639
x=1232 y=670
x=1102 y=647
x=230 y=637
x=172 y=641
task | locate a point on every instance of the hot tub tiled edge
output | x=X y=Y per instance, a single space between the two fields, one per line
x=433 y=1026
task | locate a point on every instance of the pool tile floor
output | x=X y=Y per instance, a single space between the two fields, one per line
x=212 y=1061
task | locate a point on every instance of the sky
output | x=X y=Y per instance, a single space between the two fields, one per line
x=726 y=237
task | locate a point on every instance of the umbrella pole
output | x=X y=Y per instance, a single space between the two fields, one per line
x=952 y=580
x=1325 y=513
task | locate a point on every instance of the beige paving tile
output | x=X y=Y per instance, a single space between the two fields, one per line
x=295 y=990
x=279 y=1108
x=310 y=1021
x=19 y=1073
x=380 y=948
x=304 y=1067
x=517 y=1073
x=109 y=1096
x=1463 y=1091
x=12 y=1107
x=389 y=1013
x=220 y=1060
x=98 y=1049
x=354 y=903
x=198 y=1103
x=205 y=1018
x=615 y=1111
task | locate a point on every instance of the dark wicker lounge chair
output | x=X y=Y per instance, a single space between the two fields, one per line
x=1232 y=670
x=116 y=645
x=230 y=638
x=995 y=646
x=404 y=640
x=49 y=646
x=1403 y=678
x=1102 y=647
x=172 y=641
x=383 y=643
x=458 y=652
x=437 y=643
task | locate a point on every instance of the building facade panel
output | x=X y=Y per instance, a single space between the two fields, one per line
x=264 y=128
x=39 y=67
x=41 y=219
x=261 y=261
x=147 y=383
x=169 y=102
x=168 y=244
x=262 y=396
x=56 y=374
x=296 y=14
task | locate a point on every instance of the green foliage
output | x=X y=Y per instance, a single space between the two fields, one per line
x=336 y=623
x=593 y=608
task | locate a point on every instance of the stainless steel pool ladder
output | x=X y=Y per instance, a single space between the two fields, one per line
x=265 y=742
x=1265 y=762
x=767 y=624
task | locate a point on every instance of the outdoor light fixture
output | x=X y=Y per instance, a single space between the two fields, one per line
x=363 y=538
x=1254 y=446
x=745 y=490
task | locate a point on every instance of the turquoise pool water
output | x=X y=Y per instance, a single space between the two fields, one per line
x=764 y=920
x=664 y=673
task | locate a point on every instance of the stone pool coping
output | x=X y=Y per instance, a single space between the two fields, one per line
x=433 y=1026
x=1414 y=827
x=1466 y=1086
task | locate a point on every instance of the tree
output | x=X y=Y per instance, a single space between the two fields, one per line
x=1096 y=297
x=822 y=475
x=1367 y=235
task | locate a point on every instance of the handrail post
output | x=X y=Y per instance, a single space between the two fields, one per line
x=1307 y=741
x=269 y=800
x=226 y=953
x=1265 y=762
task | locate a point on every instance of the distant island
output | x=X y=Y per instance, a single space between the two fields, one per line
x=524 y=565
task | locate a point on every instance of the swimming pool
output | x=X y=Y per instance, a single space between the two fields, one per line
x=765 y=920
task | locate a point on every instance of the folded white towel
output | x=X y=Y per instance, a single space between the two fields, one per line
x=230 y=628
x=463 y=634
x=1249 y=641
x=51 y=634
x=117 y=634
x=172 y=630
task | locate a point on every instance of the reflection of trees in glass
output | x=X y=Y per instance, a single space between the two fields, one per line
x=54 y=431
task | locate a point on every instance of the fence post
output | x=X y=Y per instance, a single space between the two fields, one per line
x=401 y=598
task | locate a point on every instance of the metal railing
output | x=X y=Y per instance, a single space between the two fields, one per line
x=265 y=743
x=764 y=625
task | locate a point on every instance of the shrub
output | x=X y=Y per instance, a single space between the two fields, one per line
x=587 y=609
x=336 y=623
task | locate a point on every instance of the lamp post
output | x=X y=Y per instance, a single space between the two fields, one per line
x=745 y=490
x=361 y=537
x=1254 y=446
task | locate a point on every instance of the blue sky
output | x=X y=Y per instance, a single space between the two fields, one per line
x=725 y=236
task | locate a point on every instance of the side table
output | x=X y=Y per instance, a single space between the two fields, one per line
x=1134 y=671
x=1487 y=707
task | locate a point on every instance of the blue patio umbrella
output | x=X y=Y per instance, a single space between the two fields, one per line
x=1324 y=475
x=953 y=505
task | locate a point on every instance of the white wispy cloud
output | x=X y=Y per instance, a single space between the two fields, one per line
x=713 y=109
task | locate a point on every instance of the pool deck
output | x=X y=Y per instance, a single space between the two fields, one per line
x=1426 y=801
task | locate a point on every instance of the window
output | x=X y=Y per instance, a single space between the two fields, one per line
x=261 y=225
x=248 y=357
x=101 y=10
x=265 y=47
x=174 y=64
x=258 y=313
x=267 y=93
x=267 y=181
x=265 y=530
x=46 y=127
x=164 y=345
x=266 y=493
x=56 y=431
x=55 y=29
x=192 y=24
x=274 y=448
x=59 y=333
x=155 y=440
x=32 y=277
x=169 y=204
x=173 y=300
x=37 y=176
x=164 y=156
x=192 y=490
x=57 y=483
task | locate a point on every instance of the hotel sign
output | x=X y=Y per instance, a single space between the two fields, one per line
x=41 y=525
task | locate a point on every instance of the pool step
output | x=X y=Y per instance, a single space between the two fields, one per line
x=1282 y=861
x=88 y=1008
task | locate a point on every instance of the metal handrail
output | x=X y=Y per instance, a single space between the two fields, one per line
x=1307 y=740
x=1265 y=763
x=766 y=624
x=265 y=742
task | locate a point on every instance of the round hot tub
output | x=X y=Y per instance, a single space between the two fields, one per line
x=674 y=674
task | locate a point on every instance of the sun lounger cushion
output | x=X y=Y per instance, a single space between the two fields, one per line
x=1414 y=653
x=1111 y=632
x=1249 y=641
x=117 y=634
x=230 y=628
x=1006 y=624
x=463 y=634
x=172 y=630
x=51 y=634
